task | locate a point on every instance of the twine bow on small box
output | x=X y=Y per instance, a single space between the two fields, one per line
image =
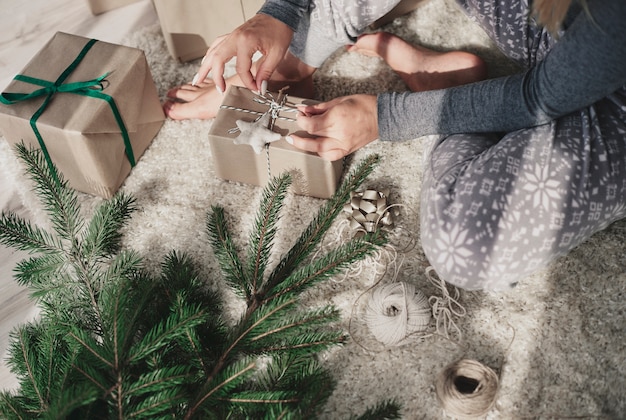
x=259 y=133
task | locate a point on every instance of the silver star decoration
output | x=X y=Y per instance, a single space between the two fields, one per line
x=256 y=133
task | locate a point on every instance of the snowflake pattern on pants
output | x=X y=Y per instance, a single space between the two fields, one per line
x=495 y=209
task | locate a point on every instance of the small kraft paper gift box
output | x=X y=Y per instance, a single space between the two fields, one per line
x=190 y=26
x=241 y=154
x=100 y=6
x=90 y=106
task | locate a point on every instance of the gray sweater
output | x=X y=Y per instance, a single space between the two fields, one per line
x=587 y=64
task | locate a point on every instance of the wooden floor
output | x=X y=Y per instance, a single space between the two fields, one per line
x=27 y=26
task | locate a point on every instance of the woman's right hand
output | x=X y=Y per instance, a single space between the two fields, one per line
x=340 y=126
x=261 y=33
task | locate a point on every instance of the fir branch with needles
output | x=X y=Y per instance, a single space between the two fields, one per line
x=315 y=231
x=114 y=340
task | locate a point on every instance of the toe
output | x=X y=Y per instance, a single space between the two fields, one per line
x=184 y=93
x=186 y=111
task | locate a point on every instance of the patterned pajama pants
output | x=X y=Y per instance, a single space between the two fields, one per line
x=497 y=207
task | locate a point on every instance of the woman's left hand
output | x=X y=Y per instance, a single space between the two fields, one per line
x=340 y=126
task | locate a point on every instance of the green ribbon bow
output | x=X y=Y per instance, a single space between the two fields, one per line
x=92 y=88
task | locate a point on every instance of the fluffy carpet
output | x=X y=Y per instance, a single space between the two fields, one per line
x=557 y=342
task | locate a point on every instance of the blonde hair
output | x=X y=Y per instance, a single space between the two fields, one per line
x=551 y=13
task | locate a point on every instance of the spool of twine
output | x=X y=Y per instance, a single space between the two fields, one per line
x=395 y=311
x=467 y=389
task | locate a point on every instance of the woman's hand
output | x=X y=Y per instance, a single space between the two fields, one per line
x=261 y=33
x=340 y=126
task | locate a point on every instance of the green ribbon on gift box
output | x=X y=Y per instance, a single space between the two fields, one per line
x=92 y=88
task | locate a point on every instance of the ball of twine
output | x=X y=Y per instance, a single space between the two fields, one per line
x=395 y=311
x=467 y=389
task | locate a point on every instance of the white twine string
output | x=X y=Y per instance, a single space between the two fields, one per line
x=276 y=106
x=445 y=307
x=387 y=303
x=395 y=311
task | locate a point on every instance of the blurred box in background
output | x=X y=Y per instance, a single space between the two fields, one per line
x=190 y=26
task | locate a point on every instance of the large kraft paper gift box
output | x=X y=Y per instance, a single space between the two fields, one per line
x=100 y=6
x=311 y=175
x=190 y=26
x=97 y=121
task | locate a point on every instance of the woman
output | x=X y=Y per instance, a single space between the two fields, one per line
x=527 y=166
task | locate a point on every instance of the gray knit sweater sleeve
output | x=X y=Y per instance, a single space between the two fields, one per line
x=587 y=64
x=287 y=11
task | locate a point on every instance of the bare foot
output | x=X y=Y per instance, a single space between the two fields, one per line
x=188 y=102
x=203 y=100
x=422 y=68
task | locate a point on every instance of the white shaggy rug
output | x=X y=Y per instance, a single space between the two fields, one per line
x=557 y=342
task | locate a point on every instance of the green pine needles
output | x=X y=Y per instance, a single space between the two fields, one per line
x=115 y=342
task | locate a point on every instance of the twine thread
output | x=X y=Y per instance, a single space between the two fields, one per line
x=467 y=389
x=446 y=306
x=395 y=311
x=275 y=107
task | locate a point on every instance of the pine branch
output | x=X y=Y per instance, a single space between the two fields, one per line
x=180 y=275
x=103 y=236
x=65 y=302
x=70 y=399
x=225 y=252
x=292 y=371
x=10 y=407
x=19 y=234
x=27 y=364
x=227 y=379
x=94 y=374
x=328 y=265
x=298 y=321
x=262 y=236
x=43 y=362
x=302 y=374
x=180 y=278
x=120 y=307
x=87 y=279
x=157 y=379
x=299 y=333
x=39 y=273
x=247 y=328
x=60 y=201
x=309 y=343
x=92 y=346
x=123 y=267
x=387 y=410
x=56 y=364
x=262 y=397
x=157 y=391
x=156 y=405
x=174 y=326
x=251 y=322
x=225 y=244
x=315 y=231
